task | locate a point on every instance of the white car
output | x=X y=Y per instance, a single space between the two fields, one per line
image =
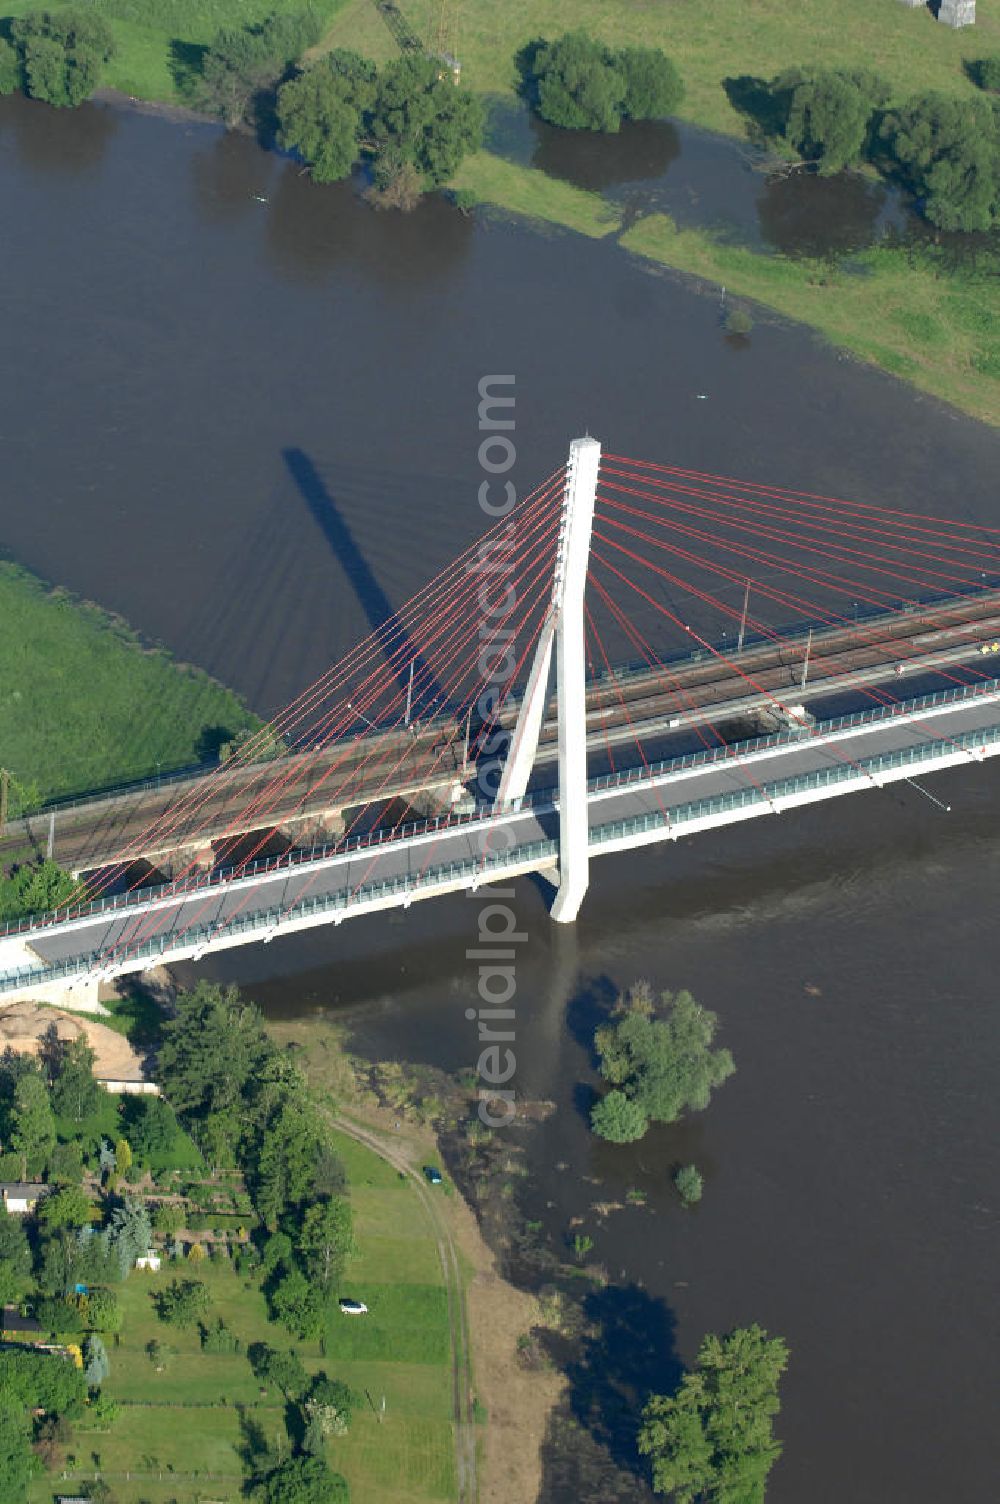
x=352 y=1307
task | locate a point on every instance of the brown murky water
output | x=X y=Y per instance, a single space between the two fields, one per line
x=250 y=426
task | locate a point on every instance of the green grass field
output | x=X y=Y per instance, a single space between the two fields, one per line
x=71 y=680
x=709 y=41
x=147 y=32
x=190 y=1422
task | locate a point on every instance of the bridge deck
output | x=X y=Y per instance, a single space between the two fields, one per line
x=396 y=765
x=634 y=808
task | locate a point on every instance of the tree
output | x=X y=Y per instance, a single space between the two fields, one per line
x=218 y=1338
x=298 y=1305
x=618 y=1119
x=948 y=151
x=182 y=1303
x=64 y=54
x=712 y=1441
x=32 y=1379
x=663 y=1065
x=68 y=1207
x=302 y=1480
x=653 y=86
x=18 y=1463
x=282 y=1369
x=578 y=83
x=95 y=1360
x=58 y=1316
x=10 y=68
x=15 y=1257
x=244 y=63
x=329 y=1406
x=689 y=1183
x=326 y=1239
x=75 y=1093
x=66 y=1164
x=420 y=114
x=33 y=1129
x=985 y=73
x=128 y=1234
x=320 y=113
x=213 y=1049
x=329 y=1174
x=123 y=1157
x=103 y=1311
x=153 y=1129
x=168 y=1217
x=287 y=1156
x=830 y=115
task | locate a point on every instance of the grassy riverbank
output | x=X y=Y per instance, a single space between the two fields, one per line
x=84 y=704
x=908 y=311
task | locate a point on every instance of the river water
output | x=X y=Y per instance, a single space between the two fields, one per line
x=241 y=410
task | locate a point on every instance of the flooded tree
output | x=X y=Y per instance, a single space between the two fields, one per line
x=712 y=1441
x=658 y=1066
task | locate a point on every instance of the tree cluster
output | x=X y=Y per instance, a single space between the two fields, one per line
x=32 y=1384
x=409 y=119
x=712 y=1441
x=657 y=1067
x=33 y=887
x=243 y=66
x=944 y=149
x=245 y=1103
x=56 y=55
x=579 y=83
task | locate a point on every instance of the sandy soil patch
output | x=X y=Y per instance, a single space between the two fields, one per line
x=23 y=1024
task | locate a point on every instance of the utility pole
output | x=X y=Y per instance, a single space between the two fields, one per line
x=743 y=618
x=805 y=663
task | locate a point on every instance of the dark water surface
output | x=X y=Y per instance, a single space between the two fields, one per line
x=248 y=426
x=699 y=178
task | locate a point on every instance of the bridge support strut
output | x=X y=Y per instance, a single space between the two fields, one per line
x=563 y=627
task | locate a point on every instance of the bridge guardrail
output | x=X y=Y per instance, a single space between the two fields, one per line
x=539 y=800
x=768 y=793
x=265 y=919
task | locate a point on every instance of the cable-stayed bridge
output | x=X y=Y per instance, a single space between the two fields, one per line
x=805 y=648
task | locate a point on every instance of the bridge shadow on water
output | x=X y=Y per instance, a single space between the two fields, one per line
x=379 y=610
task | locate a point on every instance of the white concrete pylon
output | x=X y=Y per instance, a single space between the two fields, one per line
x=571 y=679
x=564 y=625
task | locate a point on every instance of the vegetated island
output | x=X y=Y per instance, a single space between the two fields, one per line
x=922 y=311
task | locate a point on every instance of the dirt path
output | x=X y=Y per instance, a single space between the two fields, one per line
x=458 y=1318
